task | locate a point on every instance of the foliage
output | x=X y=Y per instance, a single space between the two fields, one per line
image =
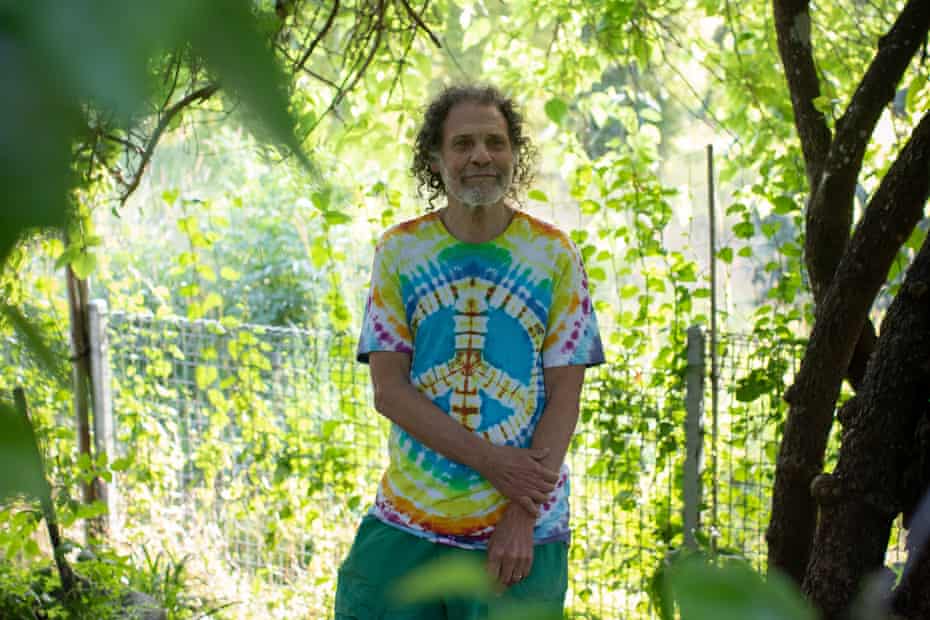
x=704 y=590
x=614 y=89
x=110 y=588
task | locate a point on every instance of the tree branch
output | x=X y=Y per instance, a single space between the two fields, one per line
x=201 y=94
x=879 y=469
x=319 y=37
x=889 y=219
x=419 y=22
x=829 y=213
x=793 y=29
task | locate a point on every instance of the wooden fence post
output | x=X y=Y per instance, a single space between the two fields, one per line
x=694 y=435
x=104 y=442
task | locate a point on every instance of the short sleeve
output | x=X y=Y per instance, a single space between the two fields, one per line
x=572 y=337
x=384 y=325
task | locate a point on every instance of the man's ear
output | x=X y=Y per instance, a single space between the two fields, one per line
x=434 y=162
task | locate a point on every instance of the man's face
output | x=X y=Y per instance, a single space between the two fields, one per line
x=476 y=159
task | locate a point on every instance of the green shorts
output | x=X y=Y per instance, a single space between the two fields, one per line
x=381 y=554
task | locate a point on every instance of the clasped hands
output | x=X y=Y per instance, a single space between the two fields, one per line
x=519 y=475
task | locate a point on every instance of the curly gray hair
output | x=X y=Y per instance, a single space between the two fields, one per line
x=429 y=139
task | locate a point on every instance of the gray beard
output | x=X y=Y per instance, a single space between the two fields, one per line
x=473 y=197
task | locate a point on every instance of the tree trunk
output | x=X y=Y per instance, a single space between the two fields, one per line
x=859 y=501
x=888 y=221
x=80 y=371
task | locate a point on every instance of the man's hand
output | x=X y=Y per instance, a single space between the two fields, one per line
x=510 y=548
x=518 y=474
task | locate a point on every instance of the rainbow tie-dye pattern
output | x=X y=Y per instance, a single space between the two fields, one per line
x=481 y=321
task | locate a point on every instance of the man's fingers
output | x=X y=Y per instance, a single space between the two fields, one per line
x=520 y=571
x=528 y=505
x=548 y=475
x=494 y=566
x=509 y=569
x=538 y=496
x=527 y=567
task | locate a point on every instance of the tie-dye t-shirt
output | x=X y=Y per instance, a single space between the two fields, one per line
x=481 y=321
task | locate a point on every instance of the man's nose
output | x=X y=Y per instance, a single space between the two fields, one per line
x=480 y=154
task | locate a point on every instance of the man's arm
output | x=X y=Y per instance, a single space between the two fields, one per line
x=510 y=549
x=517 y=473
x=557 y=423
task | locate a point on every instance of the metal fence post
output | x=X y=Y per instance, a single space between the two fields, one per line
x=104 y=443
x=694 y=405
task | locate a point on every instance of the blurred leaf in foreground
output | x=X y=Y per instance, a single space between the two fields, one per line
x=19 y=456
x=455 y=576
x=70 y=69
x=733 y=591
x=466 y=577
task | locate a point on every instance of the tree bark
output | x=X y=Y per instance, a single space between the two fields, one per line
x=829 y=213
x=793 y=30
x=833 y=163
x=860 y=500
x=888 y=221
x=80 y=374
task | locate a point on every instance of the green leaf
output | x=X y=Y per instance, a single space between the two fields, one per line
x=537 y=195
x=913 y=91
x=446 y=577
x=204 y=376
x=704 y=591
x=38 y=128
x=823 y=104
x=556 y=109
x=752 y=386
x=334 y=218
x=744 y=230
x=226 y=34
x=320 y=199
x=92 y=510
x=212 y=301
x=170 y=196
x=784 y=205
x=206 y=272
x=84 y=264
x=19 y=456
x=725 y=254
x=228 y=273
x=122 y=463
x=590 y=207
x=188 y=225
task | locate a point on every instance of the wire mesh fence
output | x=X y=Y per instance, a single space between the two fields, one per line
x=261 y=445
x=752 y=377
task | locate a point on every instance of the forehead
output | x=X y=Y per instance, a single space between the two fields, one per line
x=470 y=118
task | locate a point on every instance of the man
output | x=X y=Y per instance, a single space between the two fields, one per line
x=477 y=330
